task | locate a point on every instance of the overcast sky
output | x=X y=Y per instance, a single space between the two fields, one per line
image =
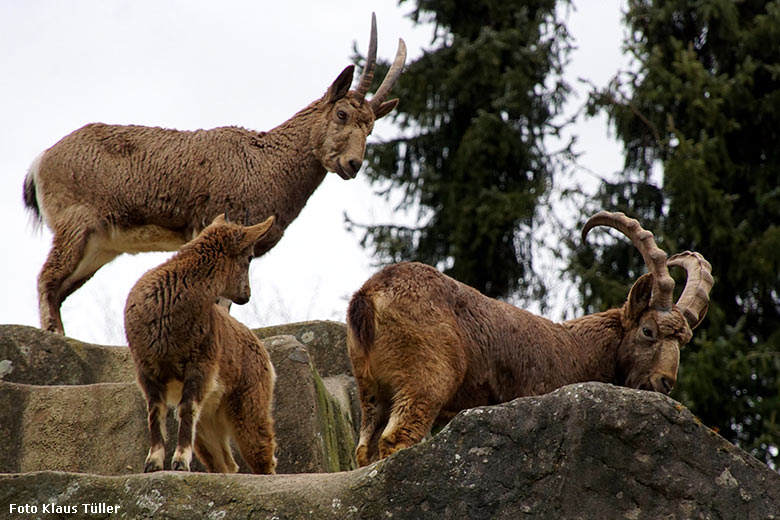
x=198 y=64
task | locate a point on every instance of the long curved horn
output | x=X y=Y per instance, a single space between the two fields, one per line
x=654 y=256
x=695 y=297
x=392 y=76
x=368 y=71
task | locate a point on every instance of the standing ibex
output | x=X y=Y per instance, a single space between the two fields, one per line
x=105 y=190
x=191 y=353
x=424 y=346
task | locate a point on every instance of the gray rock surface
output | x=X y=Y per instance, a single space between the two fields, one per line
x=98 y=428
x=326 y=341
x=586 y=451
x=33 y=356
x=314 y=432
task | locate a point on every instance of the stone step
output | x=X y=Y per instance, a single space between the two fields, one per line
x=100 y=427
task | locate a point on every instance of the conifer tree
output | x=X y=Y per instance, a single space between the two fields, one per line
x=472 y=162
x=702 y=107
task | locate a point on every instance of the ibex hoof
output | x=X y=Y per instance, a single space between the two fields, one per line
x=180 y=465
x=151 y=467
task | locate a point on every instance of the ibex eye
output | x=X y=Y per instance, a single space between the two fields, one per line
x=647 y=332
x=342 y=115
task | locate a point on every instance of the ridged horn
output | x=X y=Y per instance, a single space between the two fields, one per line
x=695 y=297
x=644 y=241
x=392 y=76
x=368 y=71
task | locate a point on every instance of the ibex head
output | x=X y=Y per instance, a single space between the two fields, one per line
x=235 y=243
x=655 y=328
x=339 y=135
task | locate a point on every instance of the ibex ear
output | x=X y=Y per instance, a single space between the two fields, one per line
x=256 y=232
x=340 y=87
x=385 y=108
x=639 y=297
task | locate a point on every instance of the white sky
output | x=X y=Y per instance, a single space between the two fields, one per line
x=198 y=64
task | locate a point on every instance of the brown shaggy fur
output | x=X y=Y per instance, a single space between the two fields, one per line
x=424 y=346
x=192 y=354
x=105 y=190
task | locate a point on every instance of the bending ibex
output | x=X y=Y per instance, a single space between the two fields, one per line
x=191 y=353
x=424 y=346
x=105 y=190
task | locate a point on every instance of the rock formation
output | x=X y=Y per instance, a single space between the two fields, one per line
x=72 y=406
x=585 y=451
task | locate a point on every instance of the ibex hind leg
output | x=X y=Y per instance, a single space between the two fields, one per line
x=212 y=446
x=157 y=411
x=423 y=385
x=371 y=453
x=415 y=407
x=188 y=412
x=253 y=430
x=374 y=413
x=76 y=254
x=227 y=455
x=410 y=420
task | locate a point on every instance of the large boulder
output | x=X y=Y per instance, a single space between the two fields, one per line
x=98 y=428
x=584 y=451
x=314 y=431
x=326 y=342
x=33 y=356
x=70 y=419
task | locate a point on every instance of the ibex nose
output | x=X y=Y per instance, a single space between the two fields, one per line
x=663 y=384
x=354 y=166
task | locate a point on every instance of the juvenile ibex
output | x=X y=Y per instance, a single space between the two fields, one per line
x=191 y=353
x=424 y=346
x=105 y=190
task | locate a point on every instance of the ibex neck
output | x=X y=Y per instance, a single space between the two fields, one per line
x=298 y=170
x=192 y=284
x=599 y=336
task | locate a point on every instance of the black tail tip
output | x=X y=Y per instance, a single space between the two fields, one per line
x=30 y=197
